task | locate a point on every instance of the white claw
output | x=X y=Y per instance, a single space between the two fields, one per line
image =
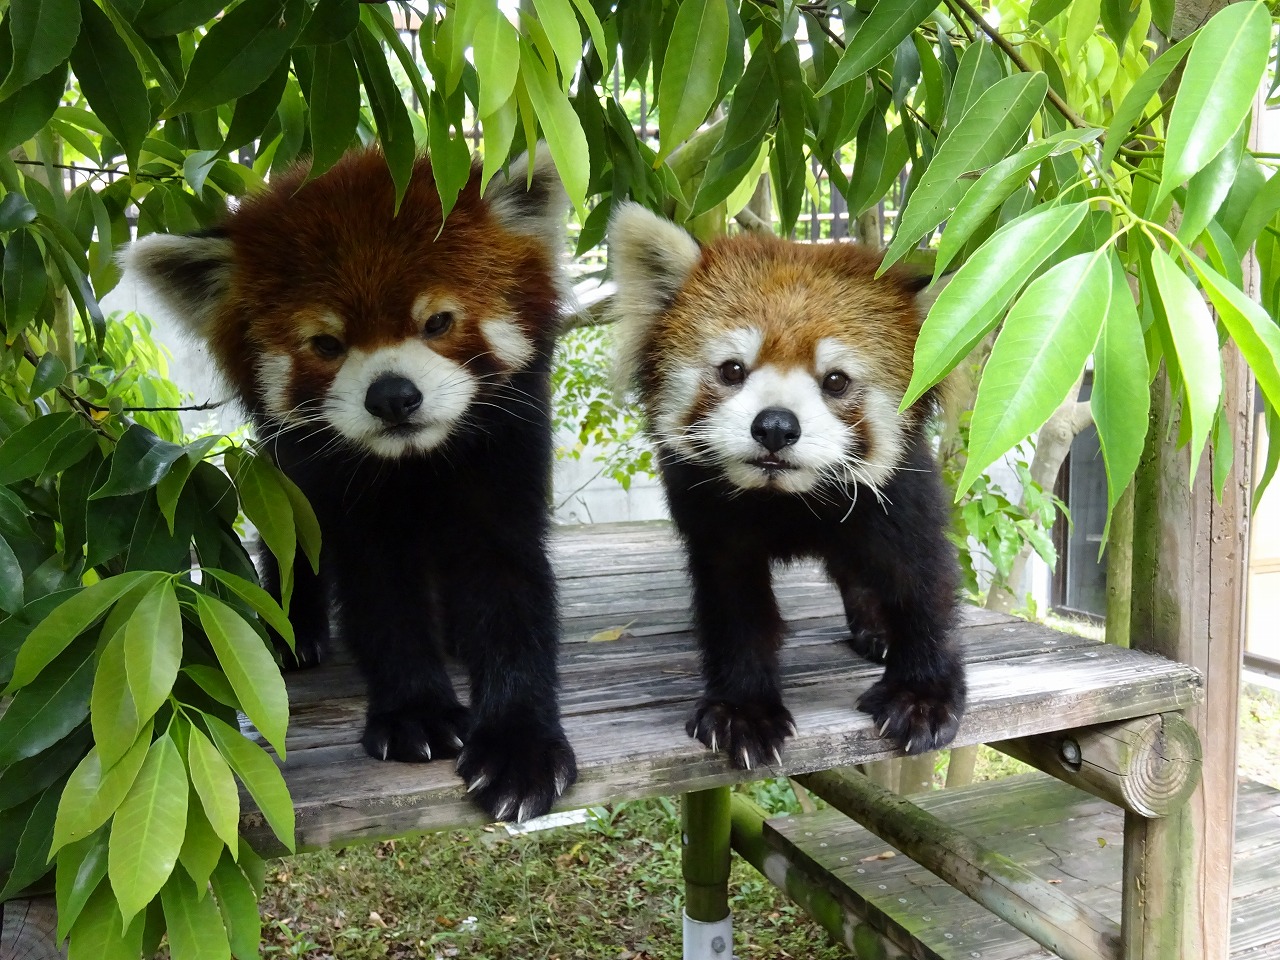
x=478 y=783
x=506 y=808
x=746 y=759
x=457 y=742
x=713 y=741
x=791 y=729
x=425 y=750
x=885 y=726
x=562 y=784
x=384 y=750
x=907 y=748
x=522 y=813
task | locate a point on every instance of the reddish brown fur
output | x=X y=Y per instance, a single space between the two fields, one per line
x=304 y=249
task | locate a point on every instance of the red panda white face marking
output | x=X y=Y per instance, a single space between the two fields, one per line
x=328 y=309
x=781 y=366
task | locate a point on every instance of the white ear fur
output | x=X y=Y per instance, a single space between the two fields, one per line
x=189 y=274
x=537 y=208
x=650 y=259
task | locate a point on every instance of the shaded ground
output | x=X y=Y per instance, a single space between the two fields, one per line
x=609 y=889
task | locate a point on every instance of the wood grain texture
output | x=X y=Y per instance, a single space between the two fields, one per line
x=625 y=700
x=1069 y=838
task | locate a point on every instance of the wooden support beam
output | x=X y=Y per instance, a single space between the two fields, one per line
x=1010 y=891
x=821 y=901
x=1149 y=766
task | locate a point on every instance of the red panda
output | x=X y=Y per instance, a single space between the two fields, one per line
x=397 y=369
x=770 y=375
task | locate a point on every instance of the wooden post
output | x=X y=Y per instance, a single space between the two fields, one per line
x=1149 y=766
x=708 y=927
x=28 y=930
x=1010 y=891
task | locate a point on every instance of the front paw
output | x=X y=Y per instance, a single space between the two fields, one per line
x=751 y=734
x=869 y=644
x=416 y=734
x=307 y=650
x=515 y=767
x=918 y=716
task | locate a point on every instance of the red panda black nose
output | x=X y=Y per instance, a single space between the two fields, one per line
x=392 y=399
x=775 y=428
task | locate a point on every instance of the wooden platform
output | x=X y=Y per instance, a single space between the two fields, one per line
x=1068 y=838
x=625 y=699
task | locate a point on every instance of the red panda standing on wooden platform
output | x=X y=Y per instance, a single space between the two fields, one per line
x=770 y=375
x=398 y=372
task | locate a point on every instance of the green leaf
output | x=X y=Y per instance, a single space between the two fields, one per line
x=194 y=925
x=562 y=129
x=1037 y=358
x=15 y=211
x=335 y=105
x=24 y=113
x=215 y=786
x=971 y=304
x=50 y=372
x=266 y=504
x=161 y=19
x=171 y=485
x=249 y=666
x=112 y=712
x=238 y=904
x=140 y=460
x=25 y=281
x=1257 y=213
x=67 y=621
x=260 y=776
x=21 y=781
x=81 y=867
x=1273 y=457
x=201 y=847
x=989 y=129
x=1255 y=333
x=1121 y=397
x=498 y=130
x=96 y=934
x=997 y=184
x=1224 y=70
x=1135 y=101
x=558 y=19
x=213 y=682
x=496 y=51
x=241 y=50
x=1222 y=453
x=595 y=28
x=330 y=22
x=46 y=709
x=305 y=523
x=395 y=130
x=147 y=831
x=1209 y=188
x=1195 y=342
x=43 y=33
x=691 y=69
x=153 y=648
x=10 y=579
x=92 y=795
x=111 y=81
x=32 y=859
x=262 y=602
x=889 y=23
x=256 y=109
x=450 y=156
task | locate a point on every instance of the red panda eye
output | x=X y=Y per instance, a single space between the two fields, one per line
x=732 y=373
x=330 y=348
x=835 y=383
x=438 y=323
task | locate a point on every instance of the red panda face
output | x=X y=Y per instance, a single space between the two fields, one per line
x=328 y=309
x=781 y=365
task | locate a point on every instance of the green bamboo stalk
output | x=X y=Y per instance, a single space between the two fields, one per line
x=704 y=817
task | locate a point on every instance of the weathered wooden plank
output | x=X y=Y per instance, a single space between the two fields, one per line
x=1051 y=918
x=1039 y=823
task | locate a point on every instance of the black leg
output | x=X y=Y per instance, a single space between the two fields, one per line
x=739 y=631
x=308 y=610
x=413 y=713
x=499 y=596
x=867 y=635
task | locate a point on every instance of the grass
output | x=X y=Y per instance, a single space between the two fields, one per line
x=609 y=889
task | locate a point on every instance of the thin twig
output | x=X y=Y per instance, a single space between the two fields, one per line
x=89 y=406
x=1063 y=107
x=964 y=27
x=77 y=168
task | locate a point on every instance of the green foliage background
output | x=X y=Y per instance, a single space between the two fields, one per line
x=1093 y=176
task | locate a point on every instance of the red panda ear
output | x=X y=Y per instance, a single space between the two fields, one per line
x=190 y=274
x=531 y=200
x=650 y=258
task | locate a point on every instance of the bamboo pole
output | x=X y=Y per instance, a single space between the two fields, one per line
x=704 y=817
x=1011 y=892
